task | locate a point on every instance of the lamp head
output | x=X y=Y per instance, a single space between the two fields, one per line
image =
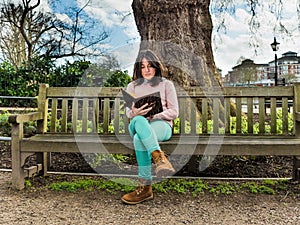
x=275 y=45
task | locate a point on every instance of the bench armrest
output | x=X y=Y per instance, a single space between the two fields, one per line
x=21 y=118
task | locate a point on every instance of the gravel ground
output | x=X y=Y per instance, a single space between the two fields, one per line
x=42 y=206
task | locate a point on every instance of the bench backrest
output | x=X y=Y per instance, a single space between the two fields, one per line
x=230 y=110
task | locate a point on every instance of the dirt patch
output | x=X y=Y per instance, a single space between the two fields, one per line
x=39 y=205
x=42 y=206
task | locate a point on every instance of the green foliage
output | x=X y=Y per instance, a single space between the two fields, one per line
x=233 y=125
x=118 y=79
x=181 y=186
x=28 y=184
x=221 y=188
x=105 y=74
x=24 y=81
x=255 y=188
x=89 y=184
x=5 y=126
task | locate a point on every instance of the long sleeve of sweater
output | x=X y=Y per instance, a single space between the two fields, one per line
x=168 y=98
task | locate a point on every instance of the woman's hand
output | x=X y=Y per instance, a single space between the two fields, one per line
x=143 y=110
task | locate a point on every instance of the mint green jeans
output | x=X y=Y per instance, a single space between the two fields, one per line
x=145 y=140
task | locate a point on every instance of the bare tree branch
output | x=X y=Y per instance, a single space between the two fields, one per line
x=45 y=35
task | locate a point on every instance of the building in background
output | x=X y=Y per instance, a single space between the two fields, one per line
x=249 y=73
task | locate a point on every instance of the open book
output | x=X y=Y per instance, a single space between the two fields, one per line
x=152 y=99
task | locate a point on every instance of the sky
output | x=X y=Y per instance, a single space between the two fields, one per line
x=228 y=46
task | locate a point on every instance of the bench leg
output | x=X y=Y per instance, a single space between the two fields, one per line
x=296 y=168
x=18 y=173
x=44 y=159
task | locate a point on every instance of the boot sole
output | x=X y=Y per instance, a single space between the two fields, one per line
x=134 y=203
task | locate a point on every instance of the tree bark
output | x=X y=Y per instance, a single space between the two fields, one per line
x=180 y=33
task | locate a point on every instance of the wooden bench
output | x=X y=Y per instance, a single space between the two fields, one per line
x=91 y=120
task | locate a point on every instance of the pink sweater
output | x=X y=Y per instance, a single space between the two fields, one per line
x=168 y=98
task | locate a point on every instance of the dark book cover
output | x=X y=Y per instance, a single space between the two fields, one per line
x=152 y=99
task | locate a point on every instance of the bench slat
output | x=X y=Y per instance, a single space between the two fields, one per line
x=285 y=115
x=227 y=115
x=250 y=115
x=85 y=113
x=273 y=115
x=238 y=115
x=193 y=117
x=177 y=145
x=74 y=114
x=53 y=115
x=182 y=114
x=216 y=115
x=95 y=113
x=106 y=115
x=204 y=116
x=262 y=115
x=64 y=115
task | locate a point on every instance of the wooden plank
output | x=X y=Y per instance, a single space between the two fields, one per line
x=83 y=92
x=106 y=115
x=216 y=115
x=239 y=145
x=227 y=115
x=182 y=114
x=71 y=92
x=204 y=116
x=64 y=116
x=117 y=116
x=95 y=115
x=238 y=115
x=74 y=115
x=126 y=123
x=22 y=118
x=296 y=109
x=43 y=107
x=53 y=115
x=18 y=174
x=285 y=116
x=262 y=116
x=273 y=116
x=286 y=91
x=244 y=92
x=85 y=114
x=193 y=121
x=250 y=115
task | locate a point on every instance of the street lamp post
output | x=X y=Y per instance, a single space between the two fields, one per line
x=275 y=47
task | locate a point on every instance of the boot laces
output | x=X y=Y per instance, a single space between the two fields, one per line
x=139 y=189
x=160 y=157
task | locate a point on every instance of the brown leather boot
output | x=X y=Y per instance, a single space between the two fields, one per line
x=142 y=193
x=163 y=166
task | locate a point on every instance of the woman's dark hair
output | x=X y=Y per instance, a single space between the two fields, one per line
x=154 y=62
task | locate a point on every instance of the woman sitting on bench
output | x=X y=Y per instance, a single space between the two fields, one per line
x=148 y=131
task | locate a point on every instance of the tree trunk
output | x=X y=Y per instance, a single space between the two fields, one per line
x=180 y=33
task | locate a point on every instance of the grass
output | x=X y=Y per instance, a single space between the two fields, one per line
x=192 y=187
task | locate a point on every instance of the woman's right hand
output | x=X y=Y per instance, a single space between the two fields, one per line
x=143 y=110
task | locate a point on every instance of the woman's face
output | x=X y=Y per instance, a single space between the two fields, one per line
x=148 y=72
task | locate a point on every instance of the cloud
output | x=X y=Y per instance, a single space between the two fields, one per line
x=109 y=12
x=238 y=41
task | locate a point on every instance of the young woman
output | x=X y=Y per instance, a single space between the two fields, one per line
x=147 y=132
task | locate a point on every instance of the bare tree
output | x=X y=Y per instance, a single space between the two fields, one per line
x=27 y=32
